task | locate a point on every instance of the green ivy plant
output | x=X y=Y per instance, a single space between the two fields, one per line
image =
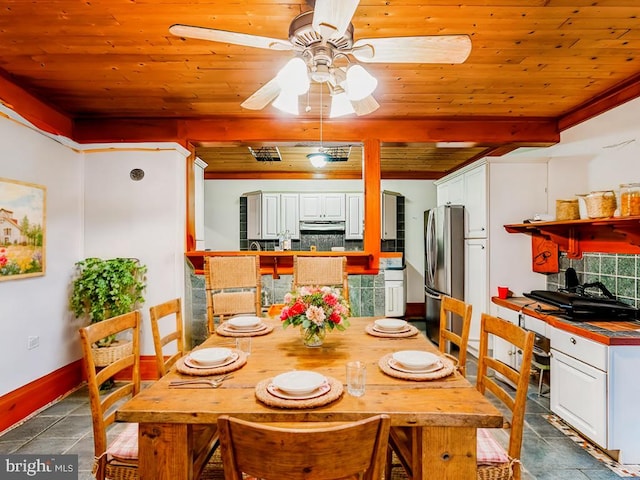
x=106 y=288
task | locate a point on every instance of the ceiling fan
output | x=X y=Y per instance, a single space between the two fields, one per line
x=326 y=52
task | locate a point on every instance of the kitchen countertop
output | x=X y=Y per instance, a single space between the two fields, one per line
x=606 y=332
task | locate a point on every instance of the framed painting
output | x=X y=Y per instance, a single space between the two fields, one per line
x=22 y=229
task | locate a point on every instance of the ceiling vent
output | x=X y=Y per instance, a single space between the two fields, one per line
x=266 y=154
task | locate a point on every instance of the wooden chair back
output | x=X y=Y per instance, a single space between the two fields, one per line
x=321 y=271
x=516 y=402
x=127 y=369
x=452 y=309
x=166 y=316
x=269 y=452
x=233 y=286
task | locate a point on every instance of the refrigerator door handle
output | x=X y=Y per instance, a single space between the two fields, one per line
x=433 y=293
x=430 y=252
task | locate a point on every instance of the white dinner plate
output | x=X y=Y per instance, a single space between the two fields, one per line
x=298 y=382
x=404 y=330
x=210 y=357
x=244 y=322
x=433 y=368
x=321 y=390
x=257 y=328
x=415 y=359
x=390 y=324
x=232 y=358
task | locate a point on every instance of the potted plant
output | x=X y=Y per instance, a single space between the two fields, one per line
x=103 y=289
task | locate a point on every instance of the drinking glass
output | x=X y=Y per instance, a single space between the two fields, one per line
x=356 y=378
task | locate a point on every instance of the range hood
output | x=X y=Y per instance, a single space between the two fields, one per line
x=322 y=226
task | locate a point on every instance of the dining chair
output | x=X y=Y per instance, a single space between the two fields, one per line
x=161 y=315
x=233 y=287
x=119 y=459
x=271 y=452
x=494 y=462
x=452 y=312
x=321 y=271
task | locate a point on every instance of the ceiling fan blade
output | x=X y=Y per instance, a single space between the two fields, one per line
x=263 y=96
x=235 y=38
x=428 y=49
x=332 y=17
x=365 y=106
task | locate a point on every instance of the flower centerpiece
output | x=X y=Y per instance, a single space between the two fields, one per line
x=315 y=310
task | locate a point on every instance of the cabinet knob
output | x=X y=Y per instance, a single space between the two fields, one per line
x=572 y=340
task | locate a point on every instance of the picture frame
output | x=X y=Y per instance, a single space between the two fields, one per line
x=22 y=229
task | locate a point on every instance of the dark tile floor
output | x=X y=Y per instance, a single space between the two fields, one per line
x=65 y=428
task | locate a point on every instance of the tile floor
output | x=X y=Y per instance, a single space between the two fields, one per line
x=65 y=428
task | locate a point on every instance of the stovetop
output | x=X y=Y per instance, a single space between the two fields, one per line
x=584 y=308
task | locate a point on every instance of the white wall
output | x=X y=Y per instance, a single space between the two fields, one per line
x=141 y=219
x=222 y=211
x=37 y=306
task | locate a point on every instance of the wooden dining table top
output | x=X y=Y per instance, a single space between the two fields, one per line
x=449 y=402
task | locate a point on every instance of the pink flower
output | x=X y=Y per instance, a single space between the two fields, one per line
x=316 y=314
x=330 y=299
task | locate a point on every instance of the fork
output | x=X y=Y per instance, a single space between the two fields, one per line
x=213 y=383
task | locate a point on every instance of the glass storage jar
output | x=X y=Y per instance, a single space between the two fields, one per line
x=601 y=204
x=629 y=199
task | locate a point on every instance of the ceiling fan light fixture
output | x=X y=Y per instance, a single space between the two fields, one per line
x=360 y=83
x=294 y=77
x=340 y=105
x=318 y=159
x=331 y=18
x=287 y=102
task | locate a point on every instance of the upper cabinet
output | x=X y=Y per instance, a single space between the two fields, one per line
x=468 y=188
x=354 y=227
x=389 y=222
x=269 y=214
x=322 y=206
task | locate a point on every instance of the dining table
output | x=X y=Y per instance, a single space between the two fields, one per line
x=443 y=413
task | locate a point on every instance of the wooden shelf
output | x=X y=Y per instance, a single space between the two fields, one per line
x=606 y=235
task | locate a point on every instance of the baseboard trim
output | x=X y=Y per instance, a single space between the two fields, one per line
x=19 y=404
x=22 y=402
x=415 y=310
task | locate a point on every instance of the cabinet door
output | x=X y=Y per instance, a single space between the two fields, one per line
x=355 y=216
x=270 y=216
x=254 y=216
x=310 y=206
x=475 y=202
x=451 y=192
x=579 y=396
x=394 y=299
x=389 y=217
x=505 y=351
x=475 y=286
x=333 y=206
x=290 y=214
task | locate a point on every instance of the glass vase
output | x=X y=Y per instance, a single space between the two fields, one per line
x=313 y=337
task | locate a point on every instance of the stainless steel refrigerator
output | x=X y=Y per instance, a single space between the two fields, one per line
x=444 y=259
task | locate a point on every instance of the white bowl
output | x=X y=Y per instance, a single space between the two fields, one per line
x=244 y=322
x=390 y=324
x=415 y=359
x=298 y=382
x=210 y=357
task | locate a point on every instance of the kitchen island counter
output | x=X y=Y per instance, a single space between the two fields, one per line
x=606 y=332
x=277 y=263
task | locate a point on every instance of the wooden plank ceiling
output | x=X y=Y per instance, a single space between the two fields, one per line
x=108 y=62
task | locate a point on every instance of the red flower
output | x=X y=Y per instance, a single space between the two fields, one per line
x=335 y=317
x=298 y=308
x=330 y=299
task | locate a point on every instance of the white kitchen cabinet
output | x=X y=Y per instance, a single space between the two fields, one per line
x=389 y=222
x=322 y=206
x=475 y=202
x=451 y=192
x=269 y=214
x=475 y=287
x=354 y=226
x=503 y=350
x=395 y=292
x=290 y=214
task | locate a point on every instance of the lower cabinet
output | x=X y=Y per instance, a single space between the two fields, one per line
x=475 y=287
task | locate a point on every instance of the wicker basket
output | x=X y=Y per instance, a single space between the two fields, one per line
x=502 y=471
x=103 y=356
x=567 y=210
x=601 y=204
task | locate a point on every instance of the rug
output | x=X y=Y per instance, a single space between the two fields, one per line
x=624 y=471
x=214 y=470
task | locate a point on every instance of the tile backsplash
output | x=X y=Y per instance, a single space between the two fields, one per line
x=617 y=272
